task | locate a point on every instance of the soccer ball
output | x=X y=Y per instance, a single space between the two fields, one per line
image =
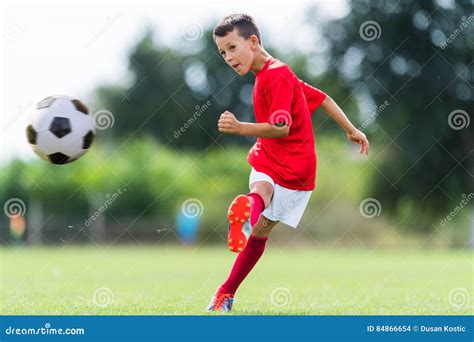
x=61 y=130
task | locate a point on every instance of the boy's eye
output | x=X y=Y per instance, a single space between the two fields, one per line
x=222 y=53
x=232 y=48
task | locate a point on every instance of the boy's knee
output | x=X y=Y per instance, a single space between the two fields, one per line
x=263 y=227
x=260 y=231
x=264 y=189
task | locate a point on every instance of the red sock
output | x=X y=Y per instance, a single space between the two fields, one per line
x=244 y=263
x=256 y=207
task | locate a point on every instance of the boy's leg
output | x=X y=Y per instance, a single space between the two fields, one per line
x=247 y=259
x=244 y=213
x=264 y=227
x=260 y=197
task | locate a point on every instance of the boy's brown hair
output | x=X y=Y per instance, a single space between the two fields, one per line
x=244 y=24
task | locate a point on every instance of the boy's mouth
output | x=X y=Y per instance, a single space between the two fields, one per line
x=235 y=65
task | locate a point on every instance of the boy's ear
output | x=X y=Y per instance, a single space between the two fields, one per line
x=254 y=39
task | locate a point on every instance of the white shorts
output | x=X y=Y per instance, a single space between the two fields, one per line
x=286 y=206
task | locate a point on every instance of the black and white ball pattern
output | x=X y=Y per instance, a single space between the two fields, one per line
x=61 y=130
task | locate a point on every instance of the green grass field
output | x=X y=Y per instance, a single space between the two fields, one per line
x=178 y=280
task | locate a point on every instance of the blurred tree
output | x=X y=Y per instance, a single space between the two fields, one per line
x=176 y=95
x=412 y=61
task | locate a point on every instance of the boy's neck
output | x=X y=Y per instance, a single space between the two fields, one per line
x=259 y=62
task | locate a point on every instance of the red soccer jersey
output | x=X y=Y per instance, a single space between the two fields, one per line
x=279 y=95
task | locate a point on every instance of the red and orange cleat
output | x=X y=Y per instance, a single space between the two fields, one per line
x=221 y=302
x=238 y=215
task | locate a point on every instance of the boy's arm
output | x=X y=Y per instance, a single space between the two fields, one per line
x=314 y=97
x=353 y=134
x=230 y=125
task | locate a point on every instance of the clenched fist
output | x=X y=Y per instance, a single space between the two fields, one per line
x=229 y=124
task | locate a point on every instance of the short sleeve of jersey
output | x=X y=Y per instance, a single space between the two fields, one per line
x=314 y=97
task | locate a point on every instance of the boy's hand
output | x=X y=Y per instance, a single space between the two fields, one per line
x=358 y=137
x=229 y=124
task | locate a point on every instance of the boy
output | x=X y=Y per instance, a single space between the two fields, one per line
x=283 y=159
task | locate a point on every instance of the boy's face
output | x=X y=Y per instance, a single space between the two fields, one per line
x=237 y=51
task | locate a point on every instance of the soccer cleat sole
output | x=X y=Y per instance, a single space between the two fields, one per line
x=239 y=212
